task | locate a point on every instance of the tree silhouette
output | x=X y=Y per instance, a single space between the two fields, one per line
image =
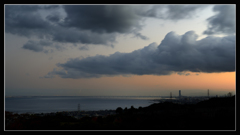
x=119 y=110
x=229 y=94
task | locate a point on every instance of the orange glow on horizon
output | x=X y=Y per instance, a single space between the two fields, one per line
x=214 y=81
x=147 y=84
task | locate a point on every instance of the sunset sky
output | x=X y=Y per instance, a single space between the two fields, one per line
x=119 y=50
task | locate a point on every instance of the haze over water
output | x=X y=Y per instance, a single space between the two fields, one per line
x=48 y=104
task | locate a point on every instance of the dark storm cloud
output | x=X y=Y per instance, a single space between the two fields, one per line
x=20 y=18
x=211 y=54
x=102 y=18
x=99 y=24
x=24 y=21
x=85 y=24
x=176 y=53
x=224 y=22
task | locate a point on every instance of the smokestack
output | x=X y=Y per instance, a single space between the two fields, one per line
x=179 y=93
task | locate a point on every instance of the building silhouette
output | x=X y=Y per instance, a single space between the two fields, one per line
x=179 y=93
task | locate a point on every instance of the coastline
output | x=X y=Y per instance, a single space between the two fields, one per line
x=159 y=116
x=151 y=100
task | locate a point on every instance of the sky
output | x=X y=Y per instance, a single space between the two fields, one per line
x=119 y=50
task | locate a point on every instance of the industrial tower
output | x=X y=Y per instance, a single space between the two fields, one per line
x=179 y=93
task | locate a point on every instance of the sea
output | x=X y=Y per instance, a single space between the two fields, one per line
x=48 y=104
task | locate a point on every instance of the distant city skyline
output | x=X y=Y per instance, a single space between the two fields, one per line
x=119 y=50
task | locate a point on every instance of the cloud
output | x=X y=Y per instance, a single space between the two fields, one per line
x=84 y=48
x=100 y=24
x=176 y=53
x=183 y=73
x=85 y=24
x=76 y=24
x=24 y=21
x=224 y=22
x=171 y=12
x=51 y=74
x=72 y=35
x=139 y=35
x=59 y=47
x=177 y=12
x=54 y=18
x=37 y=46
x=27 y=21
x=31 y=45
x=102 y=18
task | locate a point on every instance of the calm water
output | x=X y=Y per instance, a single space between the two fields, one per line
x=55 y=104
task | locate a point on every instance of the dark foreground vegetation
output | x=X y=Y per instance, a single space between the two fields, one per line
x=212 y=114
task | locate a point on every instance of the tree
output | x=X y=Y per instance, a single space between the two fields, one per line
x=125 y=110
x=119 y=110
x=229 y=94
